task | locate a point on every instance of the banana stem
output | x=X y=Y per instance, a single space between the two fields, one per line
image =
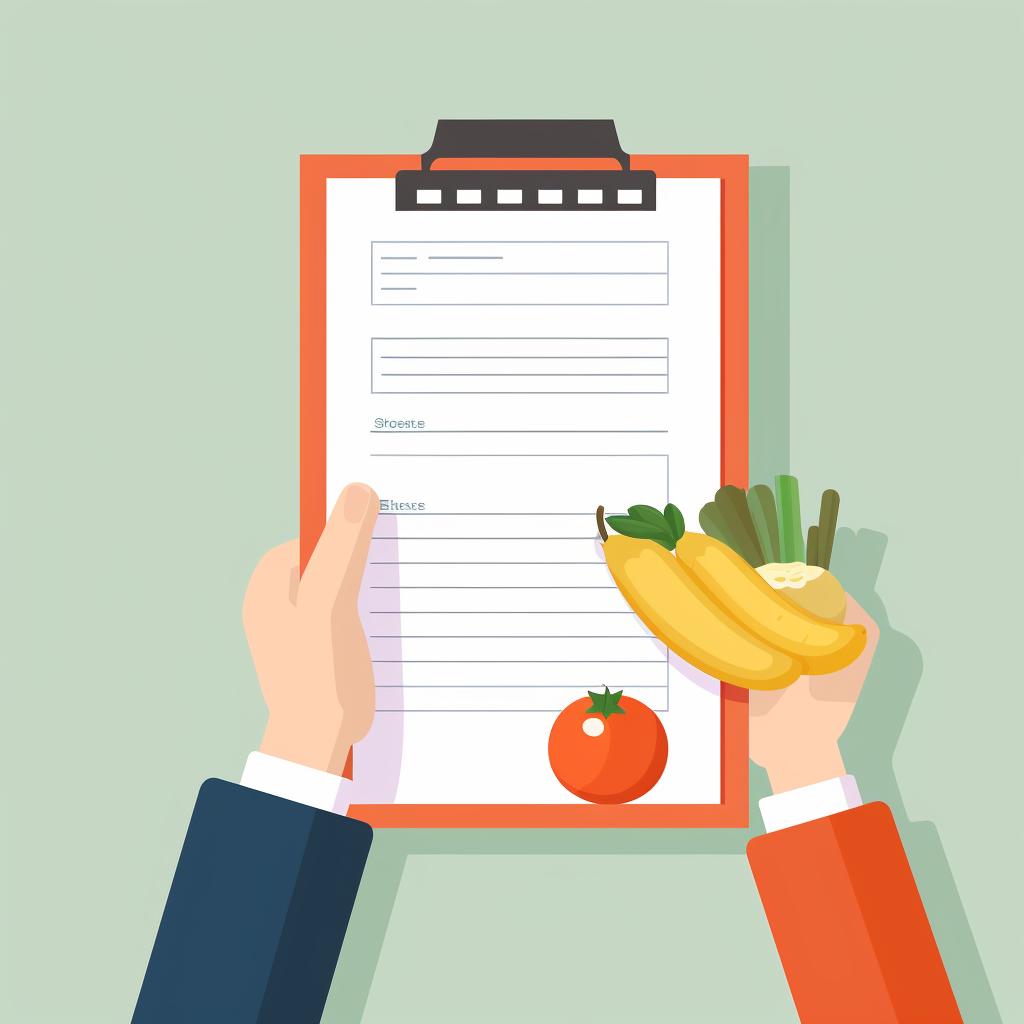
x=601 y=528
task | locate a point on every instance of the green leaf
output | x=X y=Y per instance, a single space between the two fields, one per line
x=642 y=529
x=675 y=521
x=606 y=703
x=713 y=525
x=635 y=527
x=647 y=514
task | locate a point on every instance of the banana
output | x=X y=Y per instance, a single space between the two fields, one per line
x=821 y=646
x=682 y=614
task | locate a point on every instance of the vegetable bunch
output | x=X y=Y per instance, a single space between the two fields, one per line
x=764 y=527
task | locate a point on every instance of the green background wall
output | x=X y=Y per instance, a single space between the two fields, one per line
x=148 y=154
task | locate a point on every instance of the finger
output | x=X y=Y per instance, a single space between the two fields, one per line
x=856 y=615
x=335 y=568
x=846 y=684
x=270 y=584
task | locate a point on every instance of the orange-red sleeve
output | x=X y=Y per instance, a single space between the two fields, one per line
x=849 y=923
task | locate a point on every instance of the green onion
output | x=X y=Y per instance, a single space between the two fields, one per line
x=791 y=531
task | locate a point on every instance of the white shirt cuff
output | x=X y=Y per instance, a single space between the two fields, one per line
x=819 y=800
x=296 y=782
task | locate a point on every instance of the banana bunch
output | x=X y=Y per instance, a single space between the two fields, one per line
x=712 y=608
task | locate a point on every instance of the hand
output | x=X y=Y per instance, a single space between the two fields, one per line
x=794 y=732
x=307 y=641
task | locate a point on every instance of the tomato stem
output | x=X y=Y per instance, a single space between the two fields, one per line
x=606 y=703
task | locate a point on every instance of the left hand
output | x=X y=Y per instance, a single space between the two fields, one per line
x=307 y=641
x=794 y=732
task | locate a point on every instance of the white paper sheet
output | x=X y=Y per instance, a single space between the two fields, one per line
x=495 y=376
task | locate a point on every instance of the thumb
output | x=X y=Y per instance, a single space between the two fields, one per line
x=335 y=568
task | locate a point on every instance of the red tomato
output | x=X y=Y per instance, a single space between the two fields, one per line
x=607 y=748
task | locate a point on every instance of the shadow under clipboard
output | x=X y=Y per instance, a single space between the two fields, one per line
x=868 y=745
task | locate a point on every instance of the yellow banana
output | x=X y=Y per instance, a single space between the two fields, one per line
x=821 y=645
x=677 y=609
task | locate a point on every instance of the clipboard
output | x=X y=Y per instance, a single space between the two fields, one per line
x=567 y=156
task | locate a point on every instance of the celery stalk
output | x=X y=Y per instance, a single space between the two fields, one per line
x=791 y=531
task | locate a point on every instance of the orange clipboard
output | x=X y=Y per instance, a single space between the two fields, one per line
x=732 y=170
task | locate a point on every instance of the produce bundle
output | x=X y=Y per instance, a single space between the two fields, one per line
x=739 y=602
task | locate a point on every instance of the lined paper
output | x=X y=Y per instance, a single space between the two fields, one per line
x=524 y=366
x=496 y=378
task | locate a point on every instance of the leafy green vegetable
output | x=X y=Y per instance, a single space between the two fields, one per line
x=731 y=502
x=791 y=531
x=761 y=501
x=759 y=525
x=765 y=526
x=827 y=519
x=606 y=703
x=712 y=524
x=647 y=523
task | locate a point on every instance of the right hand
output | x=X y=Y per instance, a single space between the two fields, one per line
x=794 y=732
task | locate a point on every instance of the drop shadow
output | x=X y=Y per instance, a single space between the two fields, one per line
x=869 y=746
x=375 y=903
x=768 y=290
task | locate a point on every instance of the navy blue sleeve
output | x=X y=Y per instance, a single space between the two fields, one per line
x=256 y=914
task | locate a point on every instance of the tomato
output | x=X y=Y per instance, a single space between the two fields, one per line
x=607 y=748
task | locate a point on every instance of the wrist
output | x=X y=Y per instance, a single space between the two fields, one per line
x=804 y=767
x=316 y=744
x=808 y=803
x=296 y=782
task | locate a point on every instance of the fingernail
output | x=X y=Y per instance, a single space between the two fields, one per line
x=357 y=500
